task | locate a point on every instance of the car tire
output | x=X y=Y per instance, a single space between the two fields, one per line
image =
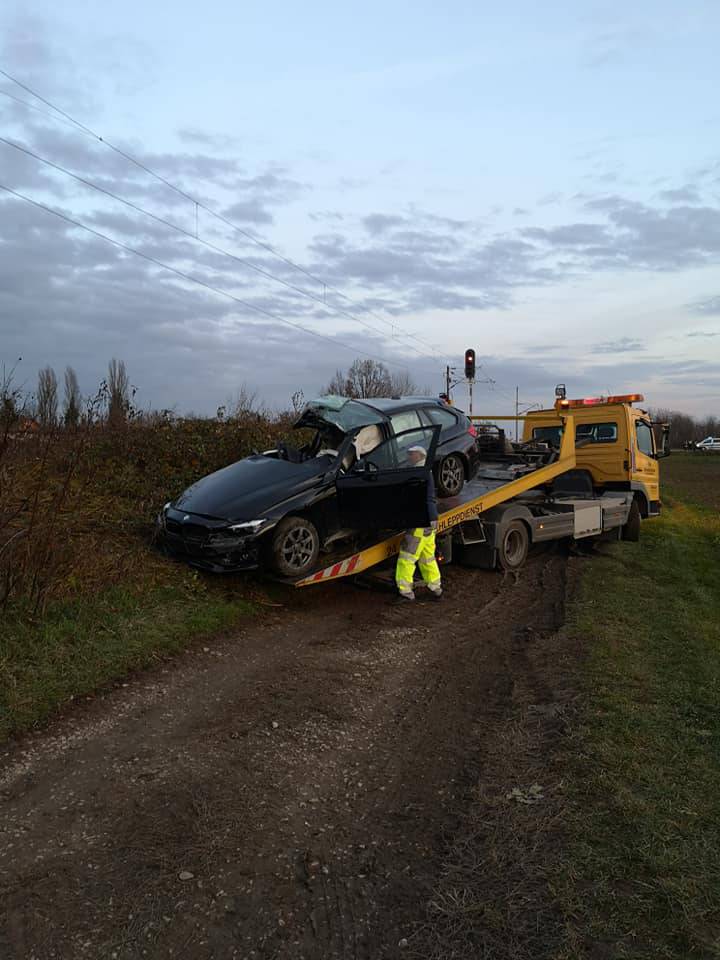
x=514 y=545
x=450 y=476
x=631 y=529
x=293 y=547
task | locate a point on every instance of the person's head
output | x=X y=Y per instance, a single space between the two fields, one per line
x=417 y=456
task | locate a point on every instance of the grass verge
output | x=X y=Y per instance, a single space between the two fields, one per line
x=82 y=644
x=642 y=874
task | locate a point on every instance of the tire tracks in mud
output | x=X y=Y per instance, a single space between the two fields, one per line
x=308 y=779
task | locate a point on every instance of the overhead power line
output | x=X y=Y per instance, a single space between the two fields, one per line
x=194 y=237
x=201 y=206
x=195 y=280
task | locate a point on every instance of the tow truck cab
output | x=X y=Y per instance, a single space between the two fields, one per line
x=616 y=444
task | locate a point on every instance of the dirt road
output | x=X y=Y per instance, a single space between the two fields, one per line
x=290 y=791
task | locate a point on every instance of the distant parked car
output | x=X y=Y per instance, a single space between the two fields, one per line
x=283 y=506
x=709 y=445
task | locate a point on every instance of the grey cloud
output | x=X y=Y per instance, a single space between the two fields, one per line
x=334 y=216
x=432 y=271
x=549 y=198
x=686 y=194
x=216 y=141
x=637 y=236
x=703 y=333
x=104 y=302
x=447 y=223
x=69 y=298
x=248 y=211
x=711 y=305
x=273 y=186
x=352 y=183
x=378 y=223
x=573 y=234
x=622 y=345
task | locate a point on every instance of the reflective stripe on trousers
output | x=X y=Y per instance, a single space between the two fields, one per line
x=417 y=547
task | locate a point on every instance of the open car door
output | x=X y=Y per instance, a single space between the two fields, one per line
x=383 y=490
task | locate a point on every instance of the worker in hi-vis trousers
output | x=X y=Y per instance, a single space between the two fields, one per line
x=418 y=544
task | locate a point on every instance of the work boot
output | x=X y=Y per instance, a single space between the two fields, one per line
x=435 y=595
x=402 y=599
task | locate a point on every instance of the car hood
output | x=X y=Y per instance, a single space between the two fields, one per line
x=250 y=488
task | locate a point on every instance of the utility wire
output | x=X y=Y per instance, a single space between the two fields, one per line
x=199 y=205
x=32 y=106
x=196 y=238
x=192 y=279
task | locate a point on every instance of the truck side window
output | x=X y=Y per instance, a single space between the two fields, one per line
x=547 y=435
x=596 y=432
x=644 y=438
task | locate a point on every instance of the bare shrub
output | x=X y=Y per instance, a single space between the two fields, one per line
x=72 y=400
x=47 y=397
x=118 y=386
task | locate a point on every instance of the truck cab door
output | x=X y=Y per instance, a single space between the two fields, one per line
x=383 y=490
x=645 y=466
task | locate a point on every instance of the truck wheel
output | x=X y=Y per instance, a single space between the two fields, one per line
x=294 y=547
x=451 y=476
x=513 y=548
x=631 y=529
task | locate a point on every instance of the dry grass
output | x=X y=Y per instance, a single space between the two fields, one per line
x=78 y=506
x=84 y=596
x=619 y=859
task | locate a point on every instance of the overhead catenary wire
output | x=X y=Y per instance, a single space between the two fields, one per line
x=196 y=280
x=61 y=114
x=194 y=237
x=33 y=106
x=199 y=205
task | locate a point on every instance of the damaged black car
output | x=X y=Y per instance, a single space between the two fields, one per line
x=281 y=508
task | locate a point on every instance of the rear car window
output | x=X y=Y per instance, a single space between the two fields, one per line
x=445 y=418
x=406 y=420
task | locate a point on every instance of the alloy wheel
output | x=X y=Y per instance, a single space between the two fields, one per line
x=298 y=547
x=452 y=473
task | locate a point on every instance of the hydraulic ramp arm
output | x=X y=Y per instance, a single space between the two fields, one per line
x=459 y=512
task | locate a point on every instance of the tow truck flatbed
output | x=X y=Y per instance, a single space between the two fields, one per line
x=489 y=506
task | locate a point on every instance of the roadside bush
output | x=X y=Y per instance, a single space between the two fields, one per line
x=78 y=503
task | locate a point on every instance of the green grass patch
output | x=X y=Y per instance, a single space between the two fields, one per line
x=82 y=644
x=643 y=869
x=693 y=478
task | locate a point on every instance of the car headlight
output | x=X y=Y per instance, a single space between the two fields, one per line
x=248 y=526
x=166 y=506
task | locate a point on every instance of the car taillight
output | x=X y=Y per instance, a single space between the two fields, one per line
x=472 y=431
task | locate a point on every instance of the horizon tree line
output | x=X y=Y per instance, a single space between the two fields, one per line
x=365 y=378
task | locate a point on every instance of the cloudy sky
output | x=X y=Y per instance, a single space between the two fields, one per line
x=302 y=184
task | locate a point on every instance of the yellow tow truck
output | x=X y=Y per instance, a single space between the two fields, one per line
x=616 y=445
x=585 y=468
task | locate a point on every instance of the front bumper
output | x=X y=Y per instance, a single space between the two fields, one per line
x=208 y=547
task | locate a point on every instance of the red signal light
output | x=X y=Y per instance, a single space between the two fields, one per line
x=470 y=364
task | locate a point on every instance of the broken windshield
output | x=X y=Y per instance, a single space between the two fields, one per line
x=340 y=412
